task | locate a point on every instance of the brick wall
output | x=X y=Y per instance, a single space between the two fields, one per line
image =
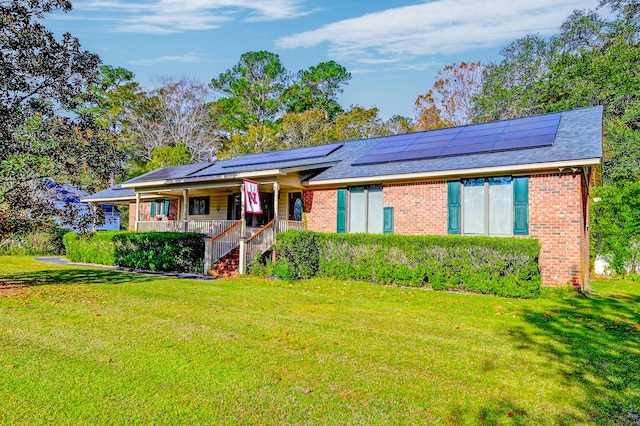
x=321 y=209
x=559 y=220
x=418 y=208
x=557 y=217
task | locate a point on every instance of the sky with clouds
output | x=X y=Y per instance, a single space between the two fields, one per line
x=393 y=48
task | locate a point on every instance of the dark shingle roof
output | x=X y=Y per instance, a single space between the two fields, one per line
x=115 y=192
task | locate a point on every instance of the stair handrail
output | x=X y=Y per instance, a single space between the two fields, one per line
x=261 y=230
x=260 y=241
x=223 y=243
x=219 y=236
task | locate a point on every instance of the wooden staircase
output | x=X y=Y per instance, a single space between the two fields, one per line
x=228 y=265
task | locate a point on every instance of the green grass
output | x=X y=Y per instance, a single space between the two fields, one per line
x=88 y=346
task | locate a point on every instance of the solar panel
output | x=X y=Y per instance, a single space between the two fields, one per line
x=174 y=172
x=519 y=133
x=282 y=156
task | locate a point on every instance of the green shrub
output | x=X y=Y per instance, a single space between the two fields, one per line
x=156 y=251
x=91 y=247
x=502 y=266
x=160 y=251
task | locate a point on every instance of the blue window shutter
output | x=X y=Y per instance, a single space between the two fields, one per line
x=152 y=211
x=166 y=207
x=341 y=226
x=521 y=205
x=387 y=227
x=453 y=205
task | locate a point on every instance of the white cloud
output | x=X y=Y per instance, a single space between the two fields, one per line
x=173 y=16
x=189 y=57
x=435 y=28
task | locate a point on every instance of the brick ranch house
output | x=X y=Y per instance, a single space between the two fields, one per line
x=528 y=177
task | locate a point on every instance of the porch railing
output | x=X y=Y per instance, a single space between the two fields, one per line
x=285 y=225
x=216 y=248
x=210 y=227
x=160 y=226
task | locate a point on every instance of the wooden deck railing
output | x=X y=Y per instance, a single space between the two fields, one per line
x=216 y=248
x=261 y=241
x=285 y=225
x=208 y=227
x=160 y=226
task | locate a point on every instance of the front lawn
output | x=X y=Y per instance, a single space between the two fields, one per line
x=88 y=346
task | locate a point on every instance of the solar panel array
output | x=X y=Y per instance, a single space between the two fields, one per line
x=282 y=156
x=175 y=172
x=520 y=133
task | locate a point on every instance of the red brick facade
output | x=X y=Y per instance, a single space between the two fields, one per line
x=321 y=208
x=145 y=213
x=419 y=208
x=558 y=217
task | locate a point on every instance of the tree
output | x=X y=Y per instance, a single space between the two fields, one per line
x=318 y=88
x=358 y=123
x=449 y=102
x=506 y=86
x=175 y=112
x=399 y=124
x=252 y=90
x=308 y=128
x=43 y=132
x=256 y=138
x=116 y=95
x=165 y=156
x=591 y=61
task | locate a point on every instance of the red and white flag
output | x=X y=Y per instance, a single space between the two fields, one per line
x=252 y=197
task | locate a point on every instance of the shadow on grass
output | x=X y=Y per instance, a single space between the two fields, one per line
x=593 y=343
x=71 y=276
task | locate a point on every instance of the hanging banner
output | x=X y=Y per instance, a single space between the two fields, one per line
x=252 y=197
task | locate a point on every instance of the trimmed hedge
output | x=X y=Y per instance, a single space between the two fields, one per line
x=501 y=266
x=155 y=251
x=95 y=247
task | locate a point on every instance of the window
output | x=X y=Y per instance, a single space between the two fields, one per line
x=365 y=212
x=489 y=206
x=199 y=206
x=159 y=208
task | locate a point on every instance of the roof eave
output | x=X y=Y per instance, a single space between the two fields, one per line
x=230 y=176
x=457 y=172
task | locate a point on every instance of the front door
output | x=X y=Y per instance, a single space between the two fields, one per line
x=295 y=206
x=234 y=207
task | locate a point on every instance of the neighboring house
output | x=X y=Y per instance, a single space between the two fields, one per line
x=63 y=195
x=526 y=177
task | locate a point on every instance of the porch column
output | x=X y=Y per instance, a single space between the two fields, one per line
x=94 y=208
x=276 y=194
x=135 y=224
x=185 y=205
x=243 y=227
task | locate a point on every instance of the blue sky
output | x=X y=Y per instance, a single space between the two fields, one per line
x=393 y=48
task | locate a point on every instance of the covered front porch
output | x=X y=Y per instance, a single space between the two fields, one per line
x=219 y=212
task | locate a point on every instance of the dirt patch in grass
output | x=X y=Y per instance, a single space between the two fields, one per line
x=10 y=288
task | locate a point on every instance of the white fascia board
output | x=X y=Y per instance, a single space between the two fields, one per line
x=202 y=179
x=458 y=172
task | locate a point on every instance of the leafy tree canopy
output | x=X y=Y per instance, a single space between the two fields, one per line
x=593 y=60
x=44 y=87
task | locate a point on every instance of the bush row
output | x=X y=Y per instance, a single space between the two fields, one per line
x=502 y=266
x=155 y=251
